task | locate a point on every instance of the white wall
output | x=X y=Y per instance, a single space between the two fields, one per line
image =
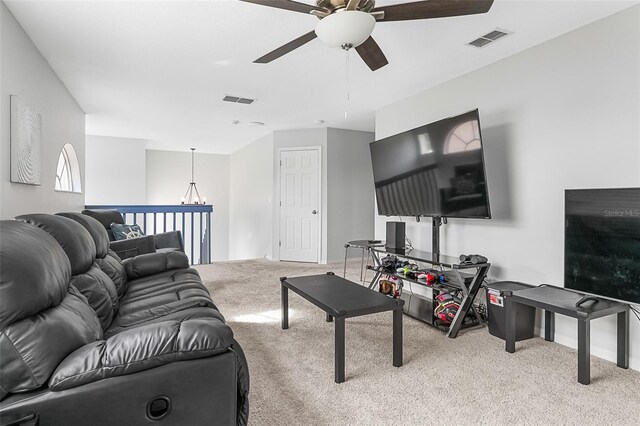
x=564 y=114
x=251 y=195
x=168 y=174
x=116 y=171
x=350 y=195
x=25 y=73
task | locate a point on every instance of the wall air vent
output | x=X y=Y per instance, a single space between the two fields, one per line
x=238 y=100
x=489 y=38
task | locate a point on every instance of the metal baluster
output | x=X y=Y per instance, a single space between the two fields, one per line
x=154 y=222
x=209 y=235
x=164 y=222
x=200 y=240
x=192 y=259
x=184 y=234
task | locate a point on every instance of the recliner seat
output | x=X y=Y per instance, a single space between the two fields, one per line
x=83 y=332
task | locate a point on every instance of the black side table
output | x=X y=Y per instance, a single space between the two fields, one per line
x=558 y=300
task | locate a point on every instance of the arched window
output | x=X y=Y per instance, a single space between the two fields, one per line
x=68 y=170
x=465 y=137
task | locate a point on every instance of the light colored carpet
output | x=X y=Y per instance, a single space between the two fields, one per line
x=468 y=380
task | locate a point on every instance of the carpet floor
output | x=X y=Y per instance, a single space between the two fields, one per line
x=468 y=380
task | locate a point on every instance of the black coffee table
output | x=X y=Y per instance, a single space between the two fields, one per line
x=341 y=299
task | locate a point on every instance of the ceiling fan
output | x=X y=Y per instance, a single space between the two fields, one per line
x=349 y=23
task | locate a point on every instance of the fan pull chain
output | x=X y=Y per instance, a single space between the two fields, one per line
x=346 y=104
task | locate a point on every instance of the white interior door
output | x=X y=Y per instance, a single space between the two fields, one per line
x=299 y=206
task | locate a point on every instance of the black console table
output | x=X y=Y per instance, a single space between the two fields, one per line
x=559 y=300
x=456 y=281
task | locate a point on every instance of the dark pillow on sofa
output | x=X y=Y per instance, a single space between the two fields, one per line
x=125 y=232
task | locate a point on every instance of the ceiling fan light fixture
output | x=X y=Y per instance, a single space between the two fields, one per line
x=345 y=27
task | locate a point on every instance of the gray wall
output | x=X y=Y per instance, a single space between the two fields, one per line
x=116 y=170
x=350 y=194
x=250 y=198
x=564 y=114
x=168 y=175
x=25 y=73
x=347 y=192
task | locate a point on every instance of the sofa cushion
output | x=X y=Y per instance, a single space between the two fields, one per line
x=106 y=218
x=34 y=271
x=179 y=311
x=126 y=232
x=141 y=349
x=153 y=263
x=112 y=266
x=100 y=292
x=32 y=348
x=96 y=230
x=106 y=259
x=73 y=237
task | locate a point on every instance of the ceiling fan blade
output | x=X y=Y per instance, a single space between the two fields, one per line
x=286 y=48
x=286 y=5
x=371 y=54
x=433 y=9
x=352 y=5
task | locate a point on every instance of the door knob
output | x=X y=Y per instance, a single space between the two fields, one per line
x=314 y=212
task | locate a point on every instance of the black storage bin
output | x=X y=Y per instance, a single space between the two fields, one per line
x=525 y=315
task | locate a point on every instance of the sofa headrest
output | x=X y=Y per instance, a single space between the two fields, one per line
x=73 y=237
x=95 y=228
x=105 y=217
x=34 y=271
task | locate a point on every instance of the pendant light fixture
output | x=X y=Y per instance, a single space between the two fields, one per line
x=192 y=196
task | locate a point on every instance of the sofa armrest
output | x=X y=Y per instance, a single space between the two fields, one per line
x=169 y=240
x=154 y=263
x=142 y=348
x=132 y=247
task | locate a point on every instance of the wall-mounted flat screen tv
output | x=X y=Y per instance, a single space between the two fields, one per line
x=433 y=170
x=602 y=242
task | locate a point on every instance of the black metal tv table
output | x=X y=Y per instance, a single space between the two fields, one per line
x=559 y=300
x=341 y=299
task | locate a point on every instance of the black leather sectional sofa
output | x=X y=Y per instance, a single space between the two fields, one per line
x=89 y=339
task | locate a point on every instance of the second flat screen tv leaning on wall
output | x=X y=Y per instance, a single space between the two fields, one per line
x=433 y=170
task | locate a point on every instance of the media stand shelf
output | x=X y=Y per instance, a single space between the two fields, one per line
x=457 y=279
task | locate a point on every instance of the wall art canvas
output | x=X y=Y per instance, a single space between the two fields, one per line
x=26 y=143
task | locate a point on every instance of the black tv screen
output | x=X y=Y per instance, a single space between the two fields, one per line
x=433 y=170
x=602 y=242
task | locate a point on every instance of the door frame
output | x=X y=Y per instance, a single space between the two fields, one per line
x=279 y=189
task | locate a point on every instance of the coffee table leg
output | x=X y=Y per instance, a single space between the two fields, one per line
x=329 y=318
x=284 y=299
x=549 y=326
x=623 y=339
x=339 y=365
x=397 y=338
x=584 y=351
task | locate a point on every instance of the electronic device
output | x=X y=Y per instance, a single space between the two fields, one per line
x=602 y=243
x=473 y=259
x=396 y=235
x=374 y=241
x=433 y=170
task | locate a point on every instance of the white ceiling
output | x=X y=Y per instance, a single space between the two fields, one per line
x=157 y=70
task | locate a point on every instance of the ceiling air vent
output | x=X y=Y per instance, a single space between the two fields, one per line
x=238 y=100
x=490 y=37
